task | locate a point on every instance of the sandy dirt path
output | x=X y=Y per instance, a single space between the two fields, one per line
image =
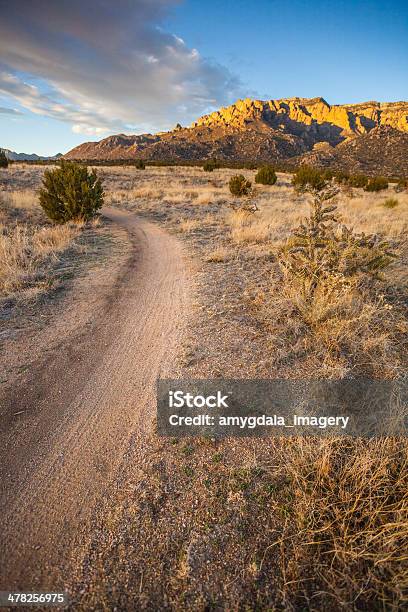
x=83 y=411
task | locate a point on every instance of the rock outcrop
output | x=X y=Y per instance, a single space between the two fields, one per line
x=384 y=150
x=313 y=119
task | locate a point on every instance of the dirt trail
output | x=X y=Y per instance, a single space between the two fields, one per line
x=66 y=435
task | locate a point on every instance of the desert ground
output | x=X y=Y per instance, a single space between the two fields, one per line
x=173 y=281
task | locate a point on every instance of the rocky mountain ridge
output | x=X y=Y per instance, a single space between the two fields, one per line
x=265 y=131
x=383 y=150
x=313 y=118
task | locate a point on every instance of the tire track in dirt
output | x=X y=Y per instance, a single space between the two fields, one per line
x=84 y=406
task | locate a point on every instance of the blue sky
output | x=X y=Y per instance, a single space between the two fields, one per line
x=344 y=51
x=72 y=71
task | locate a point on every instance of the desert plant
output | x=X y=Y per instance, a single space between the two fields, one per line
x=322 y=251
x=239 y=186
x=358 y=180
x=139 y=164
x=308 y=178
x=377 y=183
x=342 y=177
x=390 y=203
x=4 y=162
x=266 y=176
x=210 y=165
x=71 y=192
x=328 y=174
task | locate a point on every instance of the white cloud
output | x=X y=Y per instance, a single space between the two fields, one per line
x=79 y=128
x=85 y=121
x=106 y=66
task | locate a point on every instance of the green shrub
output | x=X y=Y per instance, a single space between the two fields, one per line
x=342 y=177
x=390 y=203
x=71 y=192
x=140 y=165
x=308 y=178
x=376 y=184
x=328 y=174
x=266 y=176
x=4 y=162
x=210 y=165
x=358 y=180
x=239 y=186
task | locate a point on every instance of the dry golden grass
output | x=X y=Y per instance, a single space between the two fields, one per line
x=166 y=185
x=348 y=330
x=189 y=225
x=218 y=255
x=21 y=206
x=346 y=541
x=247 y=227
x=366 y=213
x=25 y=254
x=29 y=245
x=22 y=199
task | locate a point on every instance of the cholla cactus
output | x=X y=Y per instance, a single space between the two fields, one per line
x=322 y=250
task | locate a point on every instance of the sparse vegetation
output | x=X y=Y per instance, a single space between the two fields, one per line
x=377 y=184
x=210 y=165
x=323 y=300
x=218 y=255
x=348 y=528
x=266 y=176
x=328 y=174
x=71 y=192
x=390 y=203
x=357 y=180
x=26 y=255
x=239 y=186
x=322 y=255
x=246 y=228
x=140 y=164
x=332 y=283
x=189 y=225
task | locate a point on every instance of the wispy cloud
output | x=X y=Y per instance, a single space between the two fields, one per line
x=9 y=111
x=106 y=66
x=41 y=103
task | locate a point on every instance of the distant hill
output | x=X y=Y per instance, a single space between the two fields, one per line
x=13 y=156
x=274 y=131
x=384 y=150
